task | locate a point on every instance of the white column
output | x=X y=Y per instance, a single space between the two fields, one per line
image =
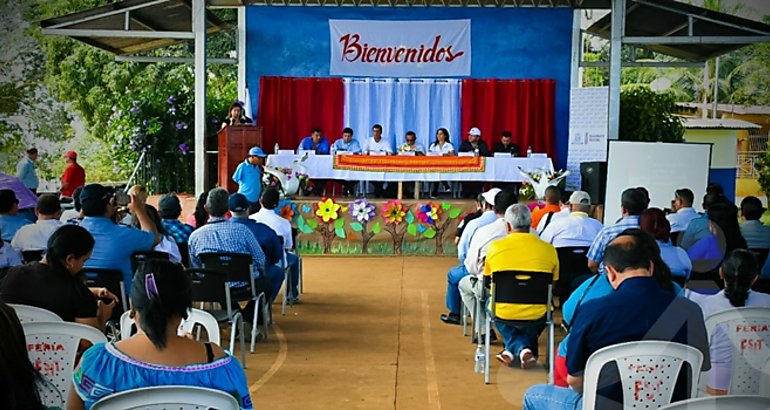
x=575 y=79
x=242 y=54
x=616 y=43
x=199 y=29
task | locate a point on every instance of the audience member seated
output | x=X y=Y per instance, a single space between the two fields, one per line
x=57 y=283
x=170 y=209
x=156 y=355
x=167 y=243
x=74 y=214
x=698 y=228
x=577 y=228
x=269 y=242
x=725 y=235
x=682 y=209
x=739 y=271
x=20 y=383
x=115 y=243
x=9 y=257
x=638 y=309
x=654 y=222
x=552 y=206
x=10 y=220
x=282 y=227
x=756 y=233
x=471 y=285
x=471 y=216
x=455 y=274
x=521 y=250
x=632 y=203
x=34 y=237
x=200 y=216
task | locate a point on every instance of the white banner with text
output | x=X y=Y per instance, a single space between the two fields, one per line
x=427 y=48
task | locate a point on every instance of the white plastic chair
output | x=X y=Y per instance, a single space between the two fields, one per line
x=721 y=402
x=648 y=372
x=52 y=347
x=29 y=314
x=194 y=317
x=748 y=331
x=164 y=397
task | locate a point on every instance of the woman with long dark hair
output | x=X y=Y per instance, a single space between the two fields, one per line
x=57 y=284
x=441 y=146
x=200 y=217
x=739 y=271
x=707 y=254
x=156 y=355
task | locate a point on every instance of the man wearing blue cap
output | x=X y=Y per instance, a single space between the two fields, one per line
x=248 y=176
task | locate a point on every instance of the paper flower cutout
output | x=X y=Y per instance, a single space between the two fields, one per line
x=327 y=209
x=394 y=212
x=287 y=212
x=429 y=213
x=361 y=210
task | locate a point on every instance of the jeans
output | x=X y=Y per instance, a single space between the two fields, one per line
x=452 y=291
x=547 y=396
x=470 y=291
x=517 y=338
x=293 y=262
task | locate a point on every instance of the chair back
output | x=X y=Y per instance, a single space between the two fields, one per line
x=32 y=256
x=144 y=256
x=184 y=252
x=748 y=332
x=194 y=317
x=52 y=348
x=112 y=279
x=721 y=402
x=573 y=263
x=209 y=285
x=165 y=397
x=648 y=372
x=519 y=287
x=236 y=266
x=28 y=314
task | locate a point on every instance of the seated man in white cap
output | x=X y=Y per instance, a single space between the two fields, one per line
x=248 y=176
x=479 y=147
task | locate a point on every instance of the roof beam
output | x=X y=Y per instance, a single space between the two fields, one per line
x=654 y=64
x=108 y=13
x=647 y=40
x=699 y=17
x=79 y=33
x=178 y=60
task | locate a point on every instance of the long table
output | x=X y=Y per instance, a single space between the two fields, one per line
x=498 y=169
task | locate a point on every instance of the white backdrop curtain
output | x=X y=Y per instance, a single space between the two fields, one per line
x=402 y=105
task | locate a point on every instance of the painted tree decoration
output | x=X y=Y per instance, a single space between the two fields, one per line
x=328 y=222
x=430 y=215
x=395 y=215
x=362 y=212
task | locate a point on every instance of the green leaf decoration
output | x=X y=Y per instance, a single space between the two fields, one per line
x=429 y=233
x=409 y=217
x=339 y=223
x=455 y=212
x=340 y=232
x=312 y=223
x=356 y=226
x=412 y=229
x=377 y=228
x=302 y=226
x=445 y=206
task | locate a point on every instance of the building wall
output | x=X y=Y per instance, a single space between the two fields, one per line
x=724 y=154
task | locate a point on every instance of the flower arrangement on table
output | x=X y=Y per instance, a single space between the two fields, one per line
x=537 y=180
x=362 y=212
x=288 y=180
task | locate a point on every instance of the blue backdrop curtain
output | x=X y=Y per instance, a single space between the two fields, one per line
x=402 y=105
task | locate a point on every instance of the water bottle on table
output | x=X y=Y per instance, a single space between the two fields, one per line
x=276 y=149
x=529 y=152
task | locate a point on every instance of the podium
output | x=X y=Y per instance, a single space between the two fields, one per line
x=234 y=144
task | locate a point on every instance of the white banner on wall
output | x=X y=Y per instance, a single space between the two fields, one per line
x=588 y=110
x=374 y=48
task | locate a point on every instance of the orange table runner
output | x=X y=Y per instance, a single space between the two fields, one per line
x=417 y=164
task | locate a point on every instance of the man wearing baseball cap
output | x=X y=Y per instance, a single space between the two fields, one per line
x=248 y=176
x=474 y=144
x=74 y=175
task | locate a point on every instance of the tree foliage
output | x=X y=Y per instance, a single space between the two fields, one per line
x=648 y=116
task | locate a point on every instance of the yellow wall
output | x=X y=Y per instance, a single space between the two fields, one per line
x=724 y=151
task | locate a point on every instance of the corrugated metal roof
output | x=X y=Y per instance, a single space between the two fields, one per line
x=731 y=108
x=720 y=123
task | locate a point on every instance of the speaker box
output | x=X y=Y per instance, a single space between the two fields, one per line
x=593 y=179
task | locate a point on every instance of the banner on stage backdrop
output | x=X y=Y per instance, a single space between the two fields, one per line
x=375 y=48
x=588 y=113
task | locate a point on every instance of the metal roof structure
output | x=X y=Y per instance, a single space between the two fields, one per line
x=717 y=123
x=731 y=108
x=583 y=4
x=131 y=26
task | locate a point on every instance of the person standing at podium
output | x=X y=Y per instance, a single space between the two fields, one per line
x=236 y=116
x=248 y=176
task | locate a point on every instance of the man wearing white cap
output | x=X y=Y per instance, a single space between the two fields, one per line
x=458 y=272
x=474 y=144
x=248 y=176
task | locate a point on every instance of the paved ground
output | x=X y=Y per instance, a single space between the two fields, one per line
x=367 y=335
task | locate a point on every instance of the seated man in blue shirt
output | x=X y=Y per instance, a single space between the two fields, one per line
x=10 y=220
x=318 y=143
x=348 y=145
x=248 y=176
x=639 y=309
x=114 y=244
x=268 y=241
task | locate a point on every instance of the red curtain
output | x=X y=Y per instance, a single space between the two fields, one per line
x=289 y=108
x=523 y=107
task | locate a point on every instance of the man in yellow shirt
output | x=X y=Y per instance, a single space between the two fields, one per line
x=520 y=251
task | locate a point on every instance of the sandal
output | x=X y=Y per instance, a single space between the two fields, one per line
x=528 y=359
x=505 y=357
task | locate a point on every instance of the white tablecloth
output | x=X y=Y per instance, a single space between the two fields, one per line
x=501 y=169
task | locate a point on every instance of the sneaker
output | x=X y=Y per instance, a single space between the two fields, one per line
x=527 y=358
x=451 y=318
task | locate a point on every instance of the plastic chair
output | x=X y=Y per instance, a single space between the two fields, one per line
x=194 y=317
x=29 y=314
x=184 y=252
x=721 y=402
x=573 y=263
x=532 y=288
x=648 y=372
x=144 y=256
x=164 y=397
x=112 y=279
x=32 y=256
x=747 y=330
x=52 y=348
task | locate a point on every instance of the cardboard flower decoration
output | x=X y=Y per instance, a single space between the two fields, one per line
x=362 y=211
x=327 y=209
x=394 y=212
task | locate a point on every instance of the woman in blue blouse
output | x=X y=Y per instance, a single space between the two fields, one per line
x=160 y=298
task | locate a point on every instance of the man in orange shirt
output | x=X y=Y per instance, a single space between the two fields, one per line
x=74 y=175
x=552 y=205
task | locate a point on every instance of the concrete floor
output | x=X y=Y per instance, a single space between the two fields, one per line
x=367 y=335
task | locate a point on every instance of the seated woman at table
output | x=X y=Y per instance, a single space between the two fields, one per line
x=411 y=144
x=236 y=116
x=441 y=146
